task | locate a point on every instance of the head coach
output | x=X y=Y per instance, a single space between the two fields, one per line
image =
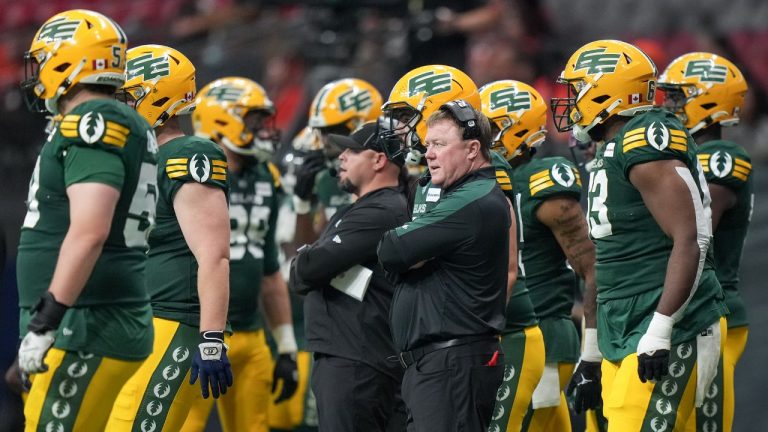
x=450 y=265
x=355 y=386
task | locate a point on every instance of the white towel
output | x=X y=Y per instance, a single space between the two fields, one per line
x=707 y=358
x=547 y=392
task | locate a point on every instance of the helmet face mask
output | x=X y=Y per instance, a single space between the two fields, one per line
x=72 y=47
x=703 y=89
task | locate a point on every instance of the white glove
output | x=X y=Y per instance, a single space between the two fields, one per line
x=33 y=350
x=658 y=336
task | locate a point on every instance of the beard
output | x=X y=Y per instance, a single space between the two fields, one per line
x=347 y=186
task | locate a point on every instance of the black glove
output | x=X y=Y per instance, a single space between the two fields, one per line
x=285 y=370
x=653 y=366
x=211 y=364
x=584 y=388
x=314 y=162
x=42 y=332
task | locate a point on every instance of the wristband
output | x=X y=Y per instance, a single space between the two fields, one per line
x=284 y=338
x=591 y=352
x=300 y=206
x=48 y=314
x=661 y=326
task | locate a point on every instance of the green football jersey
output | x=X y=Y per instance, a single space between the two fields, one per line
x=551 y=282
x=329 y=195
x=171 y=267
x=727 y=164
x=632 y=250
x=81 y=148
x=254 y=200
x=519 y=312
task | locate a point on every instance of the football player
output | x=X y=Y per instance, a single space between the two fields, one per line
x=338 y=108
x=85 y=316
x=659 y=305
x=188 y=265
x=237 y=114
x=547 y=193
x=706 y=92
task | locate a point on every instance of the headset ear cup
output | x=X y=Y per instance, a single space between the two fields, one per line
x=465 y=115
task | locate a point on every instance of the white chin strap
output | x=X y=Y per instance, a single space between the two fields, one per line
x=581 y=133
x=713 y=119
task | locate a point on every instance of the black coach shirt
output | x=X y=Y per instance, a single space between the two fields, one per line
x=336 y=323
x=460 y=289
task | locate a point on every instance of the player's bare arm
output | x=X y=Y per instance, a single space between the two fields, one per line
x=92 y=206
x=563 y=215
x=204 y=220
x=671 y=203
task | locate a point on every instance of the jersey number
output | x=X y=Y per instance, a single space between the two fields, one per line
x=141 y=214
x=599 y=225
x=33 y=210
x=248 y=231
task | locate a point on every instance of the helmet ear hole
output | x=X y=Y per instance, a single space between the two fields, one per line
x=220 y=122
x=600 y=99
x=62 y=67
x=521 y=133
x=707 y=106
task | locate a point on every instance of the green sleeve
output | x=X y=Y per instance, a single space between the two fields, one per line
x=197 y=160
x=652 y=137
x=554 y=177
x=90 y=165
x=724 y=164
x=95 y=124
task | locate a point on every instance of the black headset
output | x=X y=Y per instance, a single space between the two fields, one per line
x=465 y=115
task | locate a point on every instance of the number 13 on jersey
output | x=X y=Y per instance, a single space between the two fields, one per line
x=597 y=214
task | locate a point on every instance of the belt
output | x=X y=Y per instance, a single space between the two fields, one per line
x=407 y=358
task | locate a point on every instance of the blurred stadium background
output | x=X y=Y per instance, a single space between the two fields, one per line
x=294 y=47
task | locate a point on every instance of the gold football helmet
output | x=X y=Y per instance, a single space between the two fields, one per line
x=160 y=83
x=307 y=141
x=345 y=103
x=73 y=47
x=237 y=113
x=421 y=92
x=518 y=115
x=703 y=89
x=604 y=78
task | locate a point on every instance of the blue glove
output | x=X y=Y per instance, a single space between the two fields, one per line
x=211 y=364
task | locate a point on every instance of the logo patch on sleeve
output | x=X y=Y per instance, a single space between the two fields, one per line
x=200 y=168
x=562 y=174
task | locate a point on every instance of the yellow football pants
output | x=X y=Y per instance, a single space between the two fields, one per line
x=301 y=408
x=244 y=408
x=76 y=393
x=524 y=357
x=666 y=405
x=553 y=418
x=158 y=396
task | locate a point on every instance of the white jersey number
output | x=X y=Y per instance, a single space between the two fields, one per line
x=599 y=225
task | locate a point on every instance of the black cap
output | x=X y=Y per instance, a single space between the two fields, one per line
x=366 y=137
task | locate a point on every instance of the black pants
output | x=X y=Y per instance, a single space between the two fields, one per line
x=453 y=389
x=352 y=396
